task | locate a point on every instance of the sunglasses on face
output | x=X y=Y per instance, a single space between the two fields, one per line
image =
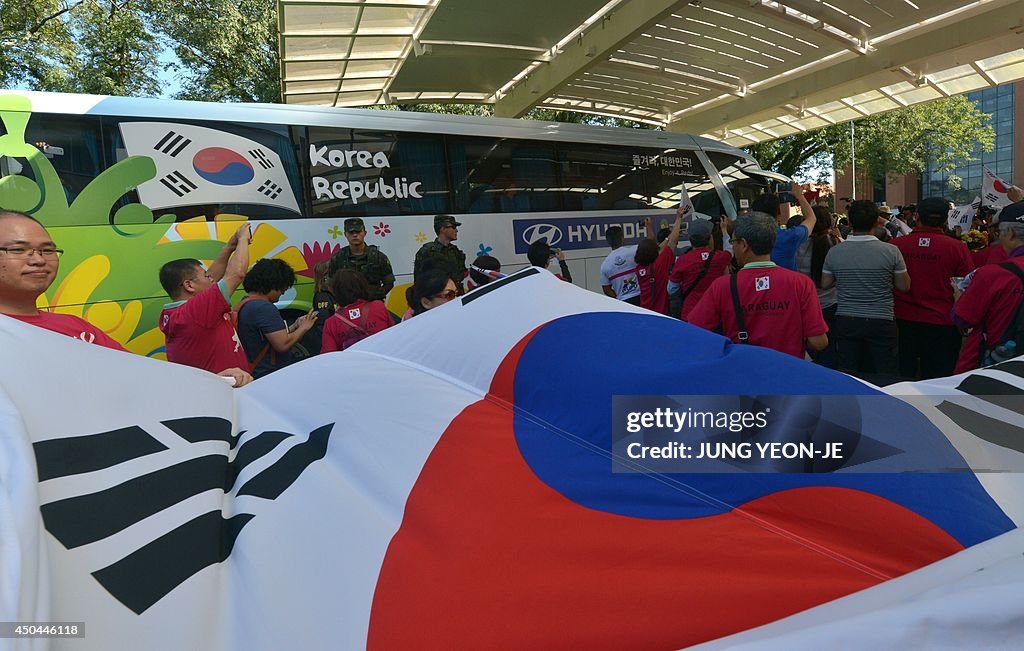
x=447 y=294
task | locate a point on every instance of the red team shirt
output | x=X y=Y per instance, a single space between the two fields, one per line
x=71 y=326
x=688 y=267
x=932 y=258
x=371 y=317
x=654 y=281
x=992 y=254
x=995 y=293
x=200 y=332
x=780 y=307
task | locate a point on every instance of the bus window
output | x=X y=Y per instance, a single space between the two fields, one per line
x=357 y=173
x=491 y=176
x=601 y=177
x=70 y=143
x=744 y=187
x=669 y=171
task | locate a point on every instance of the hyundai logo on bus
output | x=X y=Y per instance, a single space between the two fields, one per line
x=354 y=190
x=574 y=233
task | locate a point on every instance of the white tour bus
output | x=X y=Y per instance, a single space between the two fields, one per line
x=127 y=184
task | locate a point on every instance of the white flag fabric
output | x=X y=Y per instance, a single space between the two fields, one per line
x=450 y=483
x=963 y=216
x=198 y=165
x=686 y=203
x=993 y=190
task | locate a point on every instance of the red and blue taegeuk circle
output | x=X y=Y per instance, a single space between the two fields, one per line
x=222 y=166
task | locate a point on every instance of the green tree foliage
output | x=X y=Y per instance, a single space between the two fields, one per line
x=35 y=42
x=946 y=132
x=227 y=49
x=116 y=54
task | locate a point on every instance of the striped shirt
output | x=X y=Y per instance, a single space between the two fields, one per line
x=864 y=269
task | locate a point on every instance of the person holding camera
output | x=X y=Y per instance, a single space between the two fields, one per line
x=198 y=323
x=540 y=254
x=787 y=240
x=654 y=259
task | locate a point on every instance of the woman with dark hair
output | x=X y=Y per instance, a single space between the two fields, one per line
x=265 y=336
x=359 y=317
x=484 y=269
x=810 y=258
x=432 y=288
x=654 y=260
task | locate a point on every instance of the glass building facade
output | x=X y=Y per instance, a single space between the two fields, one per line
x=999 y=103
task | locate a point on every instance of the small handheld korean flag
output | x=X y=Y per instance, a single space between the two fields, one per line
x=993 y=190
x=687 y=207
x=963 y=216
x=196 y=165
x=686 y=204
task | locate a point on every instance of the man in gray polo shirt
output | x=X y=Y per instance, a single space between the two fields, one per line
x=865 y=271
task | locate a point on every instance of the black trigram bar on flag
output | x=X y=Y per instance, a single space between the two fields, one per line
x=270 y=189
x=261 y=158
x=172 y=144
x=991 y=197
x=178 y=183
x=153 y=570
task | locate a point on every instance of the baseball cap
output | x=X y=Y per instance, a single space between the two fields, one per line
x=1012 y=213
x=933 y=206
x=699 y=228
x=354 y=225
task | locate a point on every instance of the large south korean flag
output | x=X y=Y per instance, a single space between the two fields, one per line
x=448 y=484
x=196 y=165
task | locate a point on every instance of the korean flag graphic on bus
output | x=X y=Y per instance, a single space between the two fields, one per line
x=196 y=165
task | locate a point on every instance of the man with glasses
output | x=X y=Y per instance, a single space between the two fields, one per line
x=442 y=252
x=28 y=265
x=763 y=304
x=198 y=323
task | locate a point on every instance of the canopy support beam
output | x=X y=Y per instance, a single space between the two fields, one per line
x=623 y=24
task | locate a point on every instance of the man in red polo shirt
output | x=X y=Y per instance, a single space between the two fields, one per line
x=780 y=307
x=29 y=260
x=991 y=299
x=929 y=343
x=198 y=321
x=697 y=268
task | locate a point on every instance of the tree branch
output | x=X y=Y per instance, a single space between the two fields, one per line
x=42 y=23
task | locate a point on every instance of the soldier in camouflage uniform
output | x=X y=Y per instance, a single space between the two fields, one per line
x=364 y=258
x=442 y=253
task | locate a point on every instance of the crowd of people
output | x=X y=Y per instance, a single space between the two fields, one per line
x=877 y=297
x=250 y=339
x=870 y=294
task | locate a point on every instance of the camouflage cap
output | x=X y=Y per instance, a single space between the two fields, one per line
x=440 y=221
x=354 y=225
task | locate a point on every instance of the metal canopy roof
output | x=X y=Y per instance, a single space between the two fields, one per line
x=741 y=71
